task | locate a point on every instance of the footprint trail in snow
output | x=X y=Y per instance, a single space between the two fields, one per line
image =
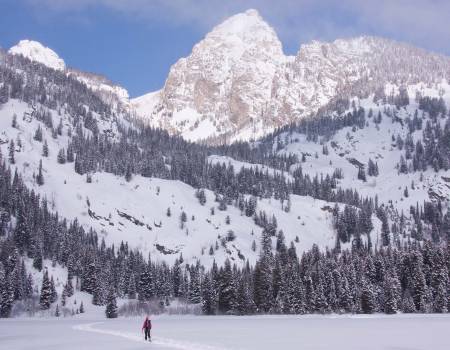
x=166 y=342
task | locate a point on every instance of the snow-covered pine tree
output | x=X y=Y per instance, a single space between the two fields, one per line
x=111 y=305
x=40 y=175
x=54 y=294
x=226 y=297
x=146 y=284
x=132 y=287
x=244 y=304
x=368 y=304
x=46 y=292
x=12 y=151
x=61 y=158
x=208 y=297
x=391 y=296
x=7 y=297
x=45 y=149
x=194 y=285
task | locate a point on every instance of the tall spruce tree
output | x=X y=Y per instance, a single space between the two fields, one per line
x=111 y=305
x=46 y=292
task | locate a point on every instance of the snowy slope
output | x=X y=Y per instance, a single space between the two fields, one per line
x=136 y=211
x=351 y=145
x=112 y=94
x=144 y=105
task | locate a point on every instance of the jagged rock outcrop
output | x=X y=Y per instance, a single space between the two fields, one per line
x=238 y=84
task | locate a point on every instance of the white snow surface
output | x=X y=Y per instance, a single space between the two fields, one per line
x=373 y=332
x=35 y=51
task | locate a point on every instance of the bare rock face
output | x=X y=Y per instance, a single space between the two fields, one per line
x=225 y=81
x=238 y=85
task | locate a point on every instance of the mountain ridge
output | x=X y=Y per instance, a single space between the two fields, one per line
x=238 y=84
x=228 y=90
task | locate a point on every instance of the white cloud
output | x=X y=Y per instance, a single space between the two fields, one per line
x=420 y=22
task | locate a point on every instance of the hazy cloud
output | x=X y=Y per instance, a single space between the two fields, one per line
x=420 y=22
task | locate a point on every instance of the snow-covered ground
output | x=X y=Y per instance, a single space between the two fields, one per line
x=375 y=332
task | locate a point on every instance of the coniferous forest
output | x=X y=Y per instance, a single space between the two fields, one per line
x=408 y=271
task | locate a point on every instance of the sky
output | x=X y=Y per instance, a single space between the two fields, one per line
x=135 y=42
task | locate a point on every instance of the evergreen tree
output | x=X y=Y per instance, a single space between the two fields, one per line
x=40 y=176
x=45 y=149
x=194 y=286
x=22 y=231
x=361 y=174
x=419 y=287
x=6 y=298
x=131 y=287
x=46 y=292
x=208 y=297
x=146 y=285
x=226 y=295
x=12 y=151
x=61 y=158
x=38 y=134
x=53 y=293
x=183 y=219
x=244 y=304
x=14 y=121
x=37 y=260
x=111 y=305
x=391 y=284
x=368 y=305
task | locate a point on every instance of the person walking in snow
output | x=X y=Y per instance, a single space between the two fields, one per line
x=146 y=327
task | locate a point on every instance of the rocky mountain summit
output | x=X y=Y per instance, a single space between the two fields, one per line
x=237 y=84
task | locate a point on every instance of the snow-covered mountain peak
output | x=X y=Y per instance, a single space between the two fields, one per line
x=237 y=84
x=245 y=24
x=241 y=34
x=227 y=78
x=35 y=51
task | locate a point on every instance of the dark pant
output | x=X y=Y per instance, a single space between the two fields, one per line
x=147 y=333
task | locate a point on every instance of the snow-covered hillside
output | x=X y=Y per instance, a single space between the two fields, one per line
x=351 y=179
x=381 y=140
x=375 y=141
x=137 y=211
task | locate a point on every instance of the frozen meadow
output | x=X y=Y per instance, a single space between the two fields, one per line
x=415 y=332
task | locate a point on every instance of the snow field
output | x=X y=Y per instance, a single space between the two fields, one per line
x=373 y=332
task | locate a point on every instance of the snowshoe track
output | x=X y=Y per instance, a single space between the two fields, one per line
x=166 y=342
